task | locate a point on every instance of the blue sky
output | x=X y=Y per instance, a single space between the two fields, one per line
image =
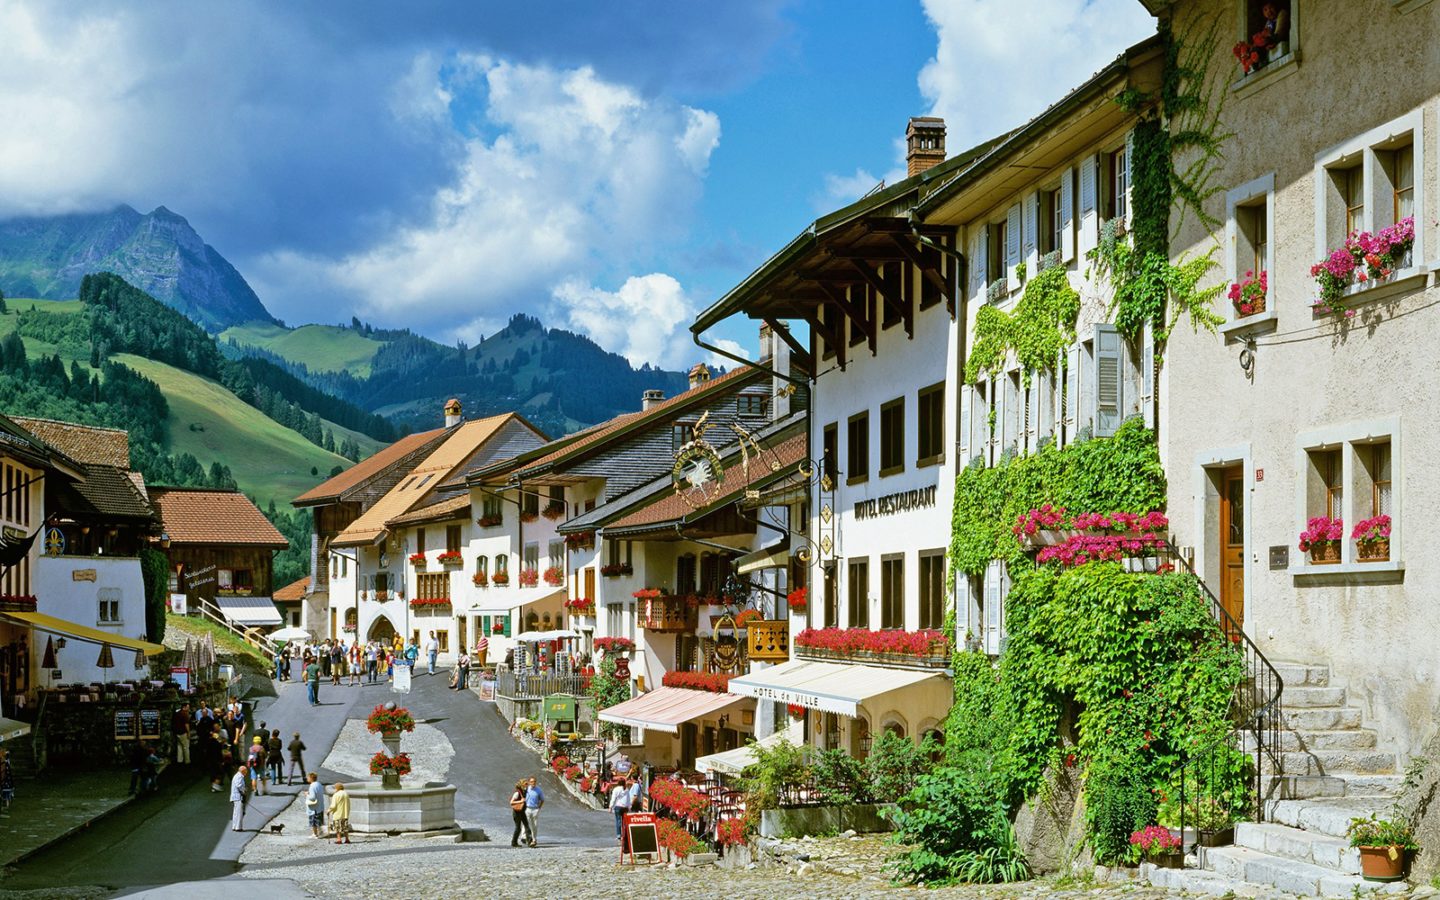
x=611 y=168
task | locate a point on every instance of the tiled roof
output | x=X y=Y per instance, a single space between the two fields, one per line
x=208 y=516
x=293 y=592
x=627 y=421
x=454 y=508
x=463 y=442
x=367 y=468
x=106 y=493
x=670 y=506
x=83 y=443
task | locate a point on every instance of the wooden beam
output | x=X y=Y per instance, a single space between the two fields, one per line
x=924 y=259
x=801 y=354
x=896 y=302
x=828 y=334
x=877 y=254
x=822 y=277
x=850 y=308
x=903 y=226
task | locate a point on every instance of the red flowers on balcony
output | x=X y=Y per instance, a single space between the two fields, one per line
x=429 y=602
x=580 y=540
x=500 y=579
x=612 y=645
x=714 y=682
x=490 y=521
x=615 y=570
x=529 y=578
x=746 y=616
x=581 y=606
x=554 y=576
x=853 y=641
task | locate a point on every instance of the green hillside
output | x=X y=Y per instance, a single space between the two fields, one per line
x=322 y=348
x=269 y=461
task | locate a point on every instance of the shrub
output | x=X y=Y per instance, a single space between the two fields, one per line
x=1118 y=806
x=774 y=767
x=953 y=817
x=730 y=833
x=895 y=764
x=840 y=778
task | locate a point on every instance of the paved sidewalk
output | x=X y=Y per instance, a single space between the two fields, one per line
x=56 y=804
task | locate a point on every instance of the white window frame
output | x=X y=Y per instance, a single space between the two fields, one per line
x=1412 y=123
x=1346 y=438
x=109 y=596
x=1245 y=195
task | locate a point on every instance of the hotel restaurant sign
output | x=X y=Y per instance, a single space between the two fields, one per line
x=890 y=504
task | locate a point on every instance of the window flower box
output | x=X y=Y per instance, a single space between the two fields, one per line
x=1248 y=294
x=614 y=645
x=1321 y=539
x=529 y=578
x=500 y=579
x=581 y=606
x=714 y=682
x=580 y=540
x=912 y=648
x=554 y=511
x=1372 y=539
x=480 y=579
x=554 y=576
x=745 y=616
x=450 y=558
x=1364 y=260
x=417 y=560
x=490 y=521
x=528 y=517
x=429 y=602
x=616 y=570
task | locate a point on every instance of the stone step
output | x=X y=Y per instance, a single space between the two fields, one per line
x=1335 y=762
x=1386 y=786
x=1302 y=787
x=1329 y=816
x=1198 y=881
x=1323 y=850
x=1290 y=875
x=1322 y=718
x=1357 y=739
x=1302 y=674
x=1312 y=697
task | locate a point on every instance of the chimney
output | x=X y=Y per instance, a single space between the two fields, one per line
x=699 y=374
x=452 y=412
x=766 y=339
x=651 y=399
x=924 y=144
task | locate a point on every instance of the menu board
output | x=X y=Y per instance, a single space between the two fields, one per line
x=126 y=721
x=642 y=837
x=150 y=724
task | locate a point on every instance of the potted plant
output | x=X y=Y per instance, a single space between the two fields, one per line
x=745 y=616
x=417 y=559
x=1384 y=845
x=497 y=628
x=490 y=521
x=1248 y=294
x=450 y=558
x=500 y=579
x=798 y=599
x=1214 y=823
x=1372 y=539
x=529 y=578
x=1321 y=539
x=479 y=579
x=554 y=576
x=1157 y=845
x=615 y=570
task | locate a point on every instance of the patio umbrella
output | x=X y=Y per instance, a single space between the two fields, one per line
x=107 y=659
x=140 y=660
x=292 y=633
x=49 y=661
x=187 y=658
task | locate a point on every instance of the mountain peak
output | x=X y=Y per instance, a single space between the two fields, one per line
x=160 y=253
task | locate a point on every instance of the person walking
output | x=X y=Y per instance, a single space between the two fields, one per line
x=337 y=662
x=297 y=757
x=462 y=672
x=340 y=814
x=432 y=651
x=255 y=762
x=482 y=647
x=323 y=653
x=239 y=797
x=275 y=757
x=180 y=726
x=357 y=659
x=139 y=755
x=534 y=801
x=517 y=812
x=280 y=660
x=315 y=804
x=619 y=805
x=412 y=655
x=312 y=682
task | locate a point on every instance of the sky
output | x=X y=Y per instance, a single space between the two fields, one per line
x=612 y=168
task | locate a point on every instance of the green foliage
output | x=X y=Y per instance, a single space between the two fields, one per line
x=1146 y=286
x=1042 y=325
x=1217 y=786
x=773 y=768
x=293 y=562
x=998 y=863
x=841 y=778
x=1373 y=831
x=896 y=763
x=155 y=573
x=951 y=816
x=1121 y=473
x=607 y=690
x=1120 y=804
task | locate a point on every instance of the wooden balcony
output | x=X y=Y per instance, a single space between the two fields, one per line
x=669 y=614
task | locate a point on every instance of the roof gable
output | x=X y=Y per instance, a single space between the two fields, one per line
x=86 y=444
x=370 y=468
x=206 y=516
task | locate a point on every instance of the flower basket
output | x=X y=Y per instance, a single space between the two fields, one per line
x=479 y=579
x=450 y=558
x=1326 y=552
x=382 y=763
x=394 y=719
x=1321 y=539
x=529 y=578
x=490 y=521
x=497 y=628
x=1372 y=539
x=417 y=559
x=580 y=606
x=1248 y=294
x=798 y=600
x=616 y=570
x=500 y=579
x=528 y=517
x=614 y=645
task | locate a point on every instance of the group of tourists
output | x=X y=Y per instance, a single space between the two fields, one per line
x=334 y=659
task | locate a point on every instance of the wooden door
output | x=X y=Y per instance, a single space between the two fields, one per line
x=1232 y=543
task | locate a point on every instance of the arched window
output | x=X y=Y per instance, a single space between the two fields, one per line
x=482 y=565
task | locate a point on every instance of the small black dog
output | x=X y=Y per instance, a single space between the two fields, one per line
x=276 y=829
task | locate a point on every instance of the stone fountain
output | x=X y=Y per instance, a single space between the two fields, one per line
x=390 y=807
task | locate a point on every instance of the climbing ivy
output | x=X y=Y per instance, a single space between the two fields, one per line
x=1042 y=325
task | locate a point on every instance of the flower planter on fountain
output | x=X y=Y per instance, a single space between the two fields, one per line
x=390 y=807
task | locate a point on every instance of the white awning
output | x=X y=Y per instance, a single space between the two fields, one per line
x=532 y=637
x=665 y=708
x=11 y=728
x=736 y=761
x=249 y=610
x=773 y=556
x=838 y=687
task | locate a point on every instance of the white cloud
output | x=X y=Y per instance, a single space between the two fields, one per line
x=574 y=179
x=999 y=63
x=639 y=321
x=842 y=190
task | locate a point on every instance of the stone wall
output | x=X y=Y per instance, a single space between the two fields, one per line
x=812 y=820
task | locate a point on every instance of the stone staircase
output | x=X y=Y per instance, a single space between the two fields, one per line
x=1330 y=772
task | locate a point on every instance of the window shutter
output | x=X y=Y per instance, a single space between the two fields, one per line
x=1071 y=416
x=1010 y=415
x=1043 y=406
x=1089 y=216
x=1109 y=381
x=1129 y=158
x=963 y=435
x=1012 y=243
x=1031 y=411
x=1147 y=374
x=977 y=264
x=1067 y=215
x=505 y=630
x=1029 y=237
x=990 y=635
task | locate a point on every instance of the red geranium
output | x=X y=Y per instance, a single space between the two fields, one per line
x=715 y=682
x=730 y=832
x=854 y=640
x=797 y=599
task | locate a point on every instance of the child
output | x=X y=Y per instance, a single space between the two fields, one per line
x=315 y=804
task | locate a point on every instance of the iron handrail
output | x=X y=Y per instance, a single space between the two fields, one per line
x=1255 y=707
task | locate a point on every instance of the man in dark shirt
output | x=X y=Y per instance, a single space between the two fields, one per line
x=180 y=727
x=312 y=682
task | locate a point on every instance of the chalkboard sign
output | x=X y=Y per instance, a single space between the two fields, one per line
x=150 y=724
x=125 y=722
x=642 y=839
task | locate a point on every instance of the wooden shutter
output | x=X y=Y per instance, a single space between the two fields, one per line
x=1089 y=217
x=962 y=436
x=1071 y=414
x=1129 y=177
x=1029 y=239
x=1109 y=392
x=1012 y=244
x=993 y=615
x=979 y=264
x=1044 y=406
x=1147 y=374
x=505 y=625
x=1067 y=215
